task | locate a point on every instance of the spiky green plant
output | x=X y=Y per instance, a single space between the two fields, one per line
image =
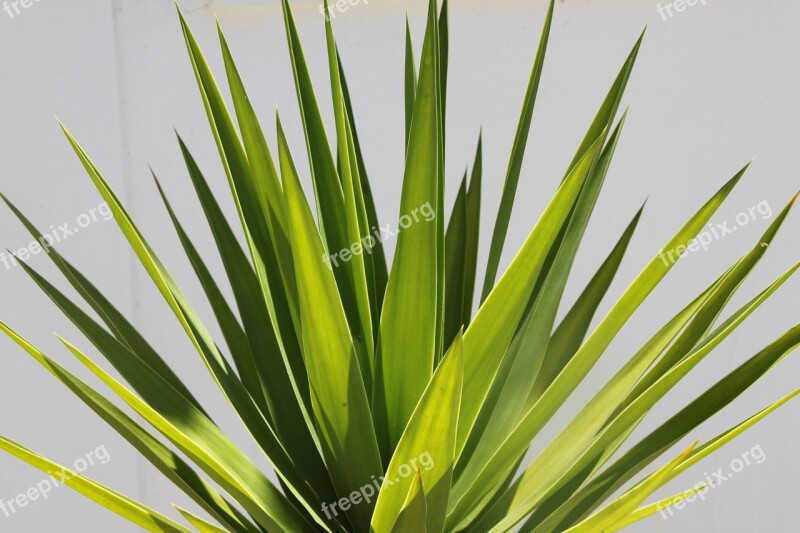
x=347 y=372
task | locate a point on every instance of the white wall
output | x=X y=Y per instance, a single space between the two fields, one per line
x=714 y=85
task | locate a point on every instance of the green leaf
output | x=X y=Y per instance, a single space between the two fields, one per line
x=413 y=517
x=410 y=81
x=549 y=295
x=572 y=438
x=608 y=109
x=410 y=321
x=461 y=252
x=165 y=460
x=512 y=386
x=254 y=194
x=254 y=186
x=232 y=330
x=121 y=328
x=784 y=346
x=205 y=444
x=430 y=432
x=682 y=335
x=125 y=507
x=473 y=231
x=248 y=190
x=443 y=61
x=517 y=156
x=666 y=435
x=660 y=506
x=572 y=450
x=348 y=377
x=571 y=332
x=492 y=330
x=264 y=179
x=276 y=394
x=338 y=395
x=586 y=424
x=701 y=452
x=564 y=452
x=201 y=525
x=455 y=262
x=250 y=302
x=627 y=503
x=253 y=182
x=265 y=215
x=631 y=414
x=691 y=337
x=377 y=272
x=179 y=415
x=444 y=47
x=328 y=187
x=355 y=217
x=441 y=51
x=197 y=333
x=574 y=372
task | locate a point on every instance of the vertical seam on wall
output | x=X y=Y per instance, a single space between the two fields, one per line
x=127 y=193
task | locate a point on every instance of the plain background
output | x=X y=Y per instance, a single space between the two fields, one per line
x=713 y=86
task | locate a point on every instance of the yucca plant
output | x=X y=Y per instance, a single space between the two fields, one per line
x=382 y=403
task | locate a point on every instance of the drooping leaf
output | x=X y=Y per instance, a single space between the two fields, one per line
x=210 y=449
x=121 y=328
x=165 y=460
x=125 y=507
